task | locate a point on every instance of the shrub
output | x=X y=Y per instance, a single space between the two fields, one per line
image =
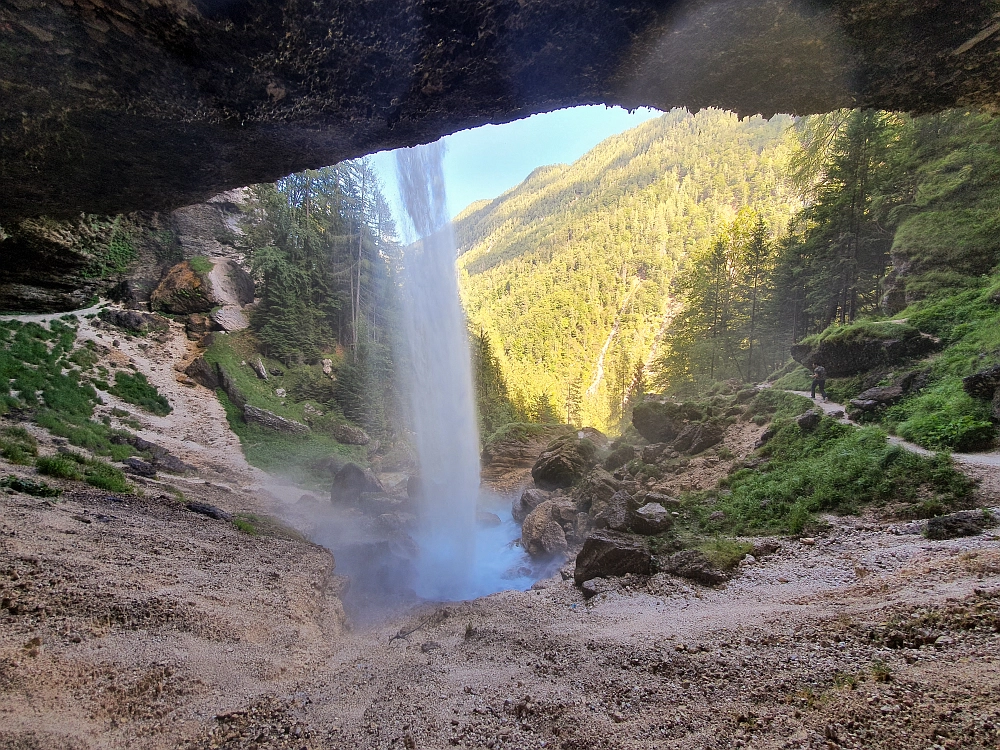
x=60 y=466
x=106 y=477
x=17 y=445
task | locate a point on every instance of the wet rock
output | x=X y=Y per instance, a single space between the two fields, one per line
x=271 y=421
x=397 y=521
x=596 y=489
x=134 y=320
x=694 y=566
x=611 y=553
x=651 y=518
x=203 y=373
x=209 y=510
x=563 y=462
x=614 y=514
x=542 y=535
x=171 y=464
x=349 y=434
x=658 y=422
x=809 y=420
x=139 y=467
x=619 y=457
x=242 y=284
x=529 y=500
x=486 y=519
x=955 y=525
x=350 y=481
x=182 y=291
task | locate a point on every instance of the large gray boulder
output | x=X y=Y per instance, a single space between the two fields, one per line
x=614 y=514
x=596 y=490
x=694 y=566
x=658 y=422
x=876 y=399
x=542 y=533
x=349 y=434
x=611 y=553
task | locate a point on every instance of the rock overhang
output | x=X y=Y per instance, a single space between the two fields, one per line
x=120 y=105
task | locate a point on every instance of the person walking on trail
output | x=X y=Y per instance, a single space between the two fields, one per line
x=819 y=381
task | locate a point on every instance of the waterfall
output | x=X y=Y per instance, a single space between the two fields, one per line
x=440 y=384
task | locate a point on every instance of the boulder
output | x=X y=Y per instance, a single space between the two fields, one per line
x=542 y=535
x=414 y=486
x=350 y=481
x=809 y=420
x=658 y=422
x=619 y=457
x=203 y=373
x=230 y=318
x=563 y=462
x=134 y=320
x=651 y=518
x=182 y=291
x=349 y=434
x=206 y=509
x=486 y=519
x=696 y=438
x=271 y=421
x=595 y=490
x=197 y=325
x=764 y=438
x=652 y=453
x=598 y=438
x=955 y=525
x=257 y=365
x=139 y=467
x=694 y=566
x=614 y=514
x=860 y=349
x=876 y=399
x=612 y=553
x=529 y=500
x=670 y=503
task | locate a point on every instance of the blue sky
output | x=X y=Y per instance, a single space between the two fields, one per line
x=486 y=161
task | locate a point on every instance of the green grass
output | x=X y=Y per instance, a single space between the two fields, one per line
x=60 y=466
x=799 y=379
x=30 y=487
x=724 y=553
x=136 y=389
x=773 y=403
x=79 y=468
x=835 y=468
x=17 y=445
x=201 y=265
x=519 y=432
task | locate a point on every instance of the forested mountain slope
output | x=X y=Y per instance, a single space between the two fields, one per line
x=581 y=257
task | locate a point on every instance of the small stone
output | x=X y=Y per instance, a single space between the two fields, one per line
x=808 y=540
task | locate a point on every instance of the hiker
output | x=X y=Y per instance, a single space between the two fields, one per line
x=819 y=381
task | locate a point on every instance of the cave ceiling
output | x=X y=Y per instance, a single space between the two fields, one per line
x=119 y=105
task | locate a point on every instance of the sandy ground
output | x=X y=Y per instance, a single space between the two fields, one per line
x=132 y=622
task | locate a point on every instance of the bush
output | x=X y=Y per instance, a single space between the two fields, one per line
x=135 y=389
x=60 y=466
x=106 y=477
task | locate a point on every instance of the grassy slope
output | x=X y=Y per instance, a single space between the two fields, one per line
x=297 y=457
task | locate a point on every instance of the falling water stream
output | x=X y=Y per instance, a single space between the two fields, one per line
x=457 y=559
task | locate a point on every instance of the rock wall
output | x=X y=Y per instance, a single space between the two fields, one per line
x=127 y=105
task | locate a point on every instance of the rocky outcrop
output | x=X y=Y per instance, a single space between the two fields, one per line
x=133 y=320
x=619 y=457
x=964 y=523
x=182 y=291
x=203 y=373
x=349 y=434
x=614 y=514
x=564 y=462
x=809 y=420
x=875 y=400
x=154 y=105
x=611 y=553
x=506 y=460
x=271 y=421
x=698 y=437
x=230 y=388
x=594 y=492
x=864 y=348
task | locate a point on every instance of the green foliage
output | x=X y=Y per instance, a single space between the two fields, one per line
x=245 y=524
x=725 y=553
x=113 y=247
x=80 y=468
x=773 y=403
x=944 y=417
x=835 y=468
x=799 y=379
x=106 y=477
x=517 y=432
x=579 y=259
x=60 y=466
x=30 y=486
x=18 y=445
x=136 y=389
x=201 y=266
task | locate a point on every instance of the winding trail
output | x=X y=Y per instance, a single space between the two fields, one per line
x=611 y=337
x=986 y=459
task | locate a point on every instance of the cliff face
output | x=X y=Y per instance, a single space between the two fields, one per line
x=124 y=105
